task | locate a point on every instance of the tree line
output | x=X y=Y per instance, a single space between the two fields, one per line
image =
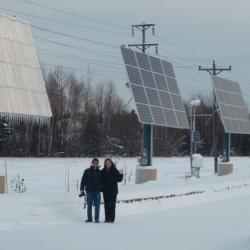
x=90 y=119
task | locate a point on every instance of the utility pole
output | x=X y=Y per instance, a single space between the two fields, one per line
x=216 y=71
x=147 y=144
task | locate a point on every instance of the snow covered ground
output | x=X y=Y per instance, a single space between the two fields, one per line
x=47 y=216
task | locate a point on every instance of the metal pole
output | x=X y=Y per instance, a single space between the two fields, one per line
x=227 y=142
x=147 y=144
x=194 y=129
x=191 y=141
x=147 y=128
x=215 y=71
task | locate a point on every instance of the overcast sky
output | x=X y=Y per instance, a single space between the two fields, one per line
x=189 y=33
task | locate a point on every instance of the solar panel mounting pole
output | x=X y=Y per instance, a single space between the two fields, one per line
x=147 y=145
x=215 y=71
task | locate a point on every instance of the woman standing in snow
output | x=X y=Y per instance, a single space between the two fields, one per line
x=110 y=177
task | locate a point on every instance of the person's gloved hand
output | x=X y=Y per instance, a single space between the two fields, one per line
x=82 y=193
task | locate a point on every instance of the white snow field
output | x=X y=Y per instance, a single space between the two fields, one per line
x=48 y=216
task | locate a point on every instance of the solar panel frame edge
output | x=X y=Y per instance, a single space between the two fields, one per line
x=231 y=131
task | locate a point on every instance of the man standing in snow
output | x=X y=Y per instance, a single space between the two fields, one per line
x=91 y=182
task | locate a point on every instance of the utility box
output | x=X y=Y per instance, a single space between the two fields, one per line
x=144 y=174
x=2 y=184
x=198 y=161
x=224 y=168
x=197 y=164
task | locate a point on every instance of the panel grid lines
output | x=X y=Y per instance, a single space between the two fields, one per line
x=232 y=108
x=22 y=88
x=155 y=90
x=151 y=115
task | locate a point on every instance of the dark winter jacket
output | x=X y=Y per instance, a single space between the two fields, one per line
x=110 y=178
x=91 y=180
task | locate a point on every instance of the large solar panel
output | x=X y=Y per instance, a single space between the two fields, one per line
x=232 y=108
x=22 y=88
x=155 y=90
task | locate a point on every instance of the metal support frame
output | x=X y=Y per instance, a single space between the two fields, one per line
x=192 y=141
x=226 y=149
x=215 y=71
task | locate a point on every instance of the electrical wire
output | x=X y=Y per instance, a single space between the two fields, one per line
x=63 y=22
x=84 y=49
x=74 y=37
x=73 y=14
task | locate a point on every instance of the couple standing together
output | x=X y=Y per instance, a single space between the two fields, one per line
x=95 y=181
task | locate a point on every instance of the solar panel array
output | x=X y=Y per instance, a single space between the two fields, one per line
x=22 y=88
x=155 y=90
x=232 y=108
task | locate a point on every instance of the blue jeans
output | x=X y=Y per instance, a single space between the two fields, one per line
x=93 y=198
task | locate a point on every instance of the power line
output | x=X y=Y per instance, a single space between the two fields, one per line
x=182 y=49
x=90 y=28
x=193 y=58
x=73 y=14
x=110 y=24
x=63 y=22
x=59 y=54
x=103 y=72
x=76 y=47
x=80 y=59
x=65 y=56
x=77 y=61
x=94 y=28
x=59 y=33
x=74 y=37
x=240 y=74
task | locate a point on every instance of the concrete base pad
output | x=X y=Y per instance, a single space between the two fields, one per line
x=144 y=174
x=2 y=184
x=224 y=168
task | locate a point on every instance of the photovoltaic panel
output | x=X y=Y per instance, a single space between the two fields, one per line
x=166 y=101
x=144 y=113
x=129 y=58
x=156 y=65
x=161 y=82
x=171 y=117
x=139 y=94
x=177 y=102
x=172 y=85
x=180 y=115
x=168 y=68
x=158 y=115
x=155 y=90
x=23 y=93
x=148 y=79
x=134 y=75
x=232 y=109
x=143 y=61
x=153 y=97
